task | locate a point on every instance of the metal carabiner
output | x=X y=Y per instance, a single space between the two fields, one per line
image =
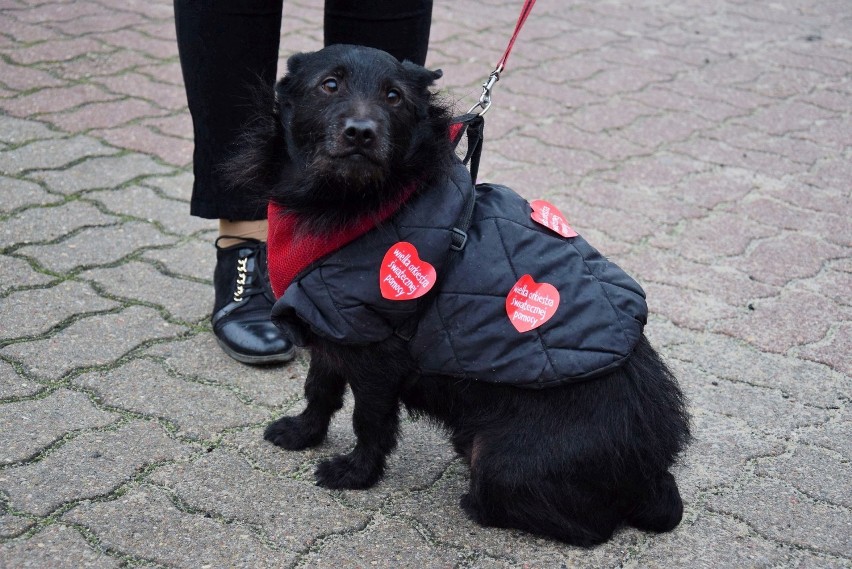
x=485 y=98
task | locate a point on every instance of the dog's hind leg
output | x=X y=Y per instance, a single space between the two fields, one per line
x=324 y=390
x=662 y=509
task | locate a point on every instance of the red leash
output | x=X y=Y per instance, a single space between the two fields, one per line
x=485 y=98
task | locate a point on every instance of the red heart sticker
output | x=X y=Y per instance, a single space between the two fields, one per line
x=531 y=304
x=404 y=275
x=546 y=214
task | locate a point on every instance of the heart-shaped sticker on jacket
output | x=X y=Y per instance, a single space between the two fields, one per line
x=530 y=304
x=546 y=214
x=404 y=275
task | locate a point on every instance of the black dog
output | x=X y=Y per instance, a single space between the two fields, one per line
x=351 y=144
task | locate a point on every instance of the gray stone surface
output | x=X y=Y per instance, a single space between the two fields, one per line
x=198 y=410
x=13 y=385
x=50 y=153
x=141 y=202
x=292 y=513
x=101 y=172
x=17 y=273
x=92 y=464
x=705 y=147
x=96 y=246
x=28 y=427
x=15 y=194
x=34 y=312
x=58 y=547
x=147 y=524
x=93 y=341
x=194 y=258
x=39 y=225
x=183 y=299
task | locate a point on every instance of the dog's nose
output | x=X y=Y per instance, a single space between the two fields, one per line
x=360 y=132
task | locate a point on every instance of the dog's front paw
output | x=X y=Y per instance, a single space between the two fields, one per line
x=348 y=471
x=295 y=433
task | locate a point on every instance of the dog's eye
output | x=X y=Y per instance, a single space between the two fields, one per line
x=329 y=85
x=394 y=97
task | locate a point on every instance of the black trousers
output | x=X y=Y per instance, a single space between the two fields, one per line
x=228 y=46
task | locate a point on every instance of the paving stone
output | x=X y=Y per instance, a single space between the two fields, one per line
x=11 y=525
x=58 y=546
x=55 y=50
x=194 y=258
x=718 y=235
x=198 y=410
x=383 y=543
x=100 y=173
x=201 y=357
x=813 y=471
x=720 y=282
x=780 y=259
x=700 y=545
x=720 y=451
x=771 y=326
x=801 y=380
x=142 y=202
x=96 y=65
x=99 y=22
x=59 y=12
x=13 y=385
x=90 y=465
x=145 y=523
x=835 y=350
x=131 y=38
x=21 y=78
x=140 y=138
x=17 y=131
x=48 y=223
x=50 y=153
x=30 y=426
x=16 y=273
x=102 y=114
x=92 y=341
x=833 y=435
x=185 y=300
x=96 y=246
x=19 y=193
x=54 y=100
x=178 y=187
x=765 y=410
x=687 y=308
x=22 y=32
x=34 y=312
x=778 y=511
x=292 y=513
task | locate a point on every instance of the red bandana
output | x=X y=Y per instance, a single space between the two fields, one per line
x=289 y=253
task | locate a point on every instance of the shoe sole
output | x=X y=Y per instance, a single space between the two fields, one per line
x=281 y=358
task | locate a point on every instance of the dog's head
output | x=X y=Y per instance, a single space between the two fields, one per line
x=353 y=126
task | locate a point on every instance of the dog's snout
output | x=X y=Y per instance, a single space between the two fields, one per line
x=360 y=132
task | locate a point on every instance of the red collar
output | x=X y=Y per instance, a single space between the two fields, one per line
x=290 y=252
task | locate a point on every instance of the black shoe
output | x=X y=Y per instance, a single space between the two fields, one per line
x=243 y=301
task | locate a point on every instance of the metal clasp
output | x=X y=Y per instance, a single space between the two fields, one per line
x=485 y=99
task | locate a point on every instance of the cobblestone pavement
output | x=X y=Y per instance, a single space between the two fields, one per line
x=705 y=146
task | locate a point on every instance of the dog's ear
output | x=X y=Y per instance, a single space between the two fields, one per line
x=421 y=76
x=295 y=61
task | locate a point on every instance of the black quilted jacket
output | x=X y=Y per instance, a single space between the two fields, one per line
x=461 y=327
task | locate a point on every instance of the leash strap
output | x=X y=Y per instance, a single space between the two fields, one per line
x=525 y=11
x=485 y=99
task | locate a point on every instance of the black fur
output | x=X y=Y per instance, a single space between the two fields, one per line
x=571 y=462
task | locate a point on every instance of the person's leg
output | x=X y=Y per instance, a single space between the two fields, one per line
x=226 y=49
x=400 y=27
